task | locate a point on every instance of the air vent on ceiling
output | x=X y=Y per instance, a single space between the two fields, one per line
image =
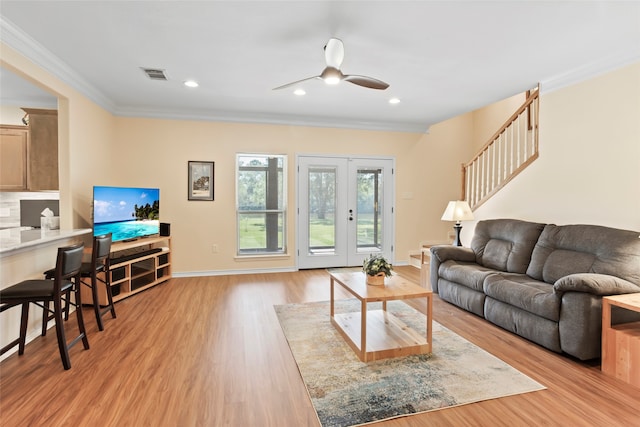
x=155 y=73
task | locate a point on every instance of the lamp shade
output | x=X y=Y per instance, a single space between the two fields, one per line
x=457 y=211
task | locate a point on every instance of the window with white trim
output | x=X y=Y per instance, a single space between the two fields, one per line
x=261 y=200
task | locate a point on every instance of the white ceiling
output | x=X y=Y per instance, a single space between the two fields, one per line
x=441 y=58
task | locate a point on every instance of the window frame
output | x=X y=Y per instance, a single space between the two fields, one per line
x=280 y=210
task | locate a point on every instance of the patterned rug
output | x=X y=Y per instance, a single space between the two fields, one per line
x=346 y=392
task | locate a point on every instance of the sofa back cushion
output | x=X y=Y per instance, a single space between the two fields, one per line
x=570 y=249
x=505 y=244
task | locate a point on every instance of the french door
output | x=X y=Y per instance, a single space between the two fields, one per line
x=345 y=210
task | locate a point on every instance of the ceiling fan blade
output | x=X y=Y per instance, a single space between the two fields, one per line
x=295 y=83
x=334 y=53
x=368 y=82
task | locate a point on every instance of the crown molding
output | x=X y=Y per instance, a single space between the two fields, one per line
x=278 y=120
x=589 y=71
x=21 y=42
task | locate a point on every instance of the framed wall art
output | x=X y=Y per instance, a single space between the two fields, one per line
x=201 y=180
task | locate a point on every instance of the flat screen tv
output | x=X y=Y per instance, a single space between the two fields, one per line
x=127 y=212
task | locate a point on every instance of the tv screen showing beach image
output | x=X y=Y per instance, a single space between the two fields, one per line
x=126 y=212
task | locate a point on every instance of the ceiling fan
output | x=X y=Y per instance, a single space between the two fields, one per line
x=334 y=55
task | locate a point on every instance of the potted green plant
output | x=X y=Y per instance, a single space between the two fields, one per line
x=376 y=267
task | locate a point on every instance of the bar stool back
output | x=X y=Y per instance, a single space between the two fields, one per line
x=100 y=264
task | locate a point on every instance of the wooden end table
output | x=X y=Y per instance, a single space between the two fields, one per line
x=378 y=334
x=621 y=343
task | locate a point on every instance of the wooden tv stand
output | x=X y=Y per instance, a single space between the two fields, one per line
x=135 y=266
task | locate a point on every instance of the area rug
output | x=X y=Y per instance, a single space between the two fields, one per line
x=347 y=392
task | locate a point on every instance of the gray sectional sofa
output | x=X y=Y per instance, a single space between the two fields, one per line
x=543 y=282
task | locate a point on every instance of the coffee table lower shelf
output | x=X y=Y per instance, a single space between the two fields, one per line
x=386 y=335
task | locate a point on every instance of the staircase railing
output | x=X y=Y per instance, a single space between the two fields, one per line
x=511 y=149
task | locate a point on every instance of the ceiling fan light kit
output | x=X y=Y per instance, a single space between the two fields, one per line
x=331 y=76
x=334 y=55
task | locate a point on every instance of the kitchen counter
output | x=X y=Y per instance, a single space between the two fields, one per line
x=16 y=240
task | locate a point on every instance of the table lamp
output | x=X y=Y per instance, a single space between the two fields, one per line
x=457 y=211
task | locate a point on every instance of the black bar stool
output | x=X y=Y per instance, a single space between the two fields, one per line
x=66 y=280
x=90 y=276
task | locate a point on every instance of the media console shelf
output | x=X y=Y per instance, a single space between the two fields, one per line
x=135 y=266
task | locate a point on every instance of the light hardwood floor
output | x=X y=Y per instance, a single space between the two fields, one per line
x=209 y=351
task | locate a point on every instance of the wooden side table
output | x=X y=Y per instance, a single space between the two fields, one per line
x=621 y=343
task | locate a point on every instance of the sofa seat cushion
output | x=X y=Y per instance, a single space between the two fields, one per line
x=542 y=331
x=467 y=274
x=522 y=291
x=462 y=296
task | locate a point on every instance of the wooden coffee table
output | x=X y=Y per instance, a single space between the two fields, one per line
x=378 y=334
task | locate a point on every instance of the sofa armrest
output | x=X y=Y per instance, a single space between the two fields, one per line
x=442 y=253
x=457 y=253
x=596 y=284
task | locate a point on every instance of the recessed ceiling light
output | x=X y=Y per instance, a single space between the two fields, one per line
x=394 y=101
x=299 y=92
x=191 y=83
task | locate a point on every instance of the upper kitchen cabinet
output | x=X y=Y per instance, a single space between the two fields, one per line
x=43 y=149
x=14 y=143
x=30 y=153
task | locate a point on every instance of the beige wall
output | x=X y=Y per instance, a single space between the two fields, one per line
x=589 y=166
x=90 y=133
x=156 y=152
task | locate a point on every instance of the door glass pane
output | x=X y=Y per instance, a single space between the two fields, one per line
x=369 y=218
x=322 y=210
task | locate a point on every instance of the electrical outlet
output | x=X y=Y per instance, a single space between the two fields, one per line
x=214 y=249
